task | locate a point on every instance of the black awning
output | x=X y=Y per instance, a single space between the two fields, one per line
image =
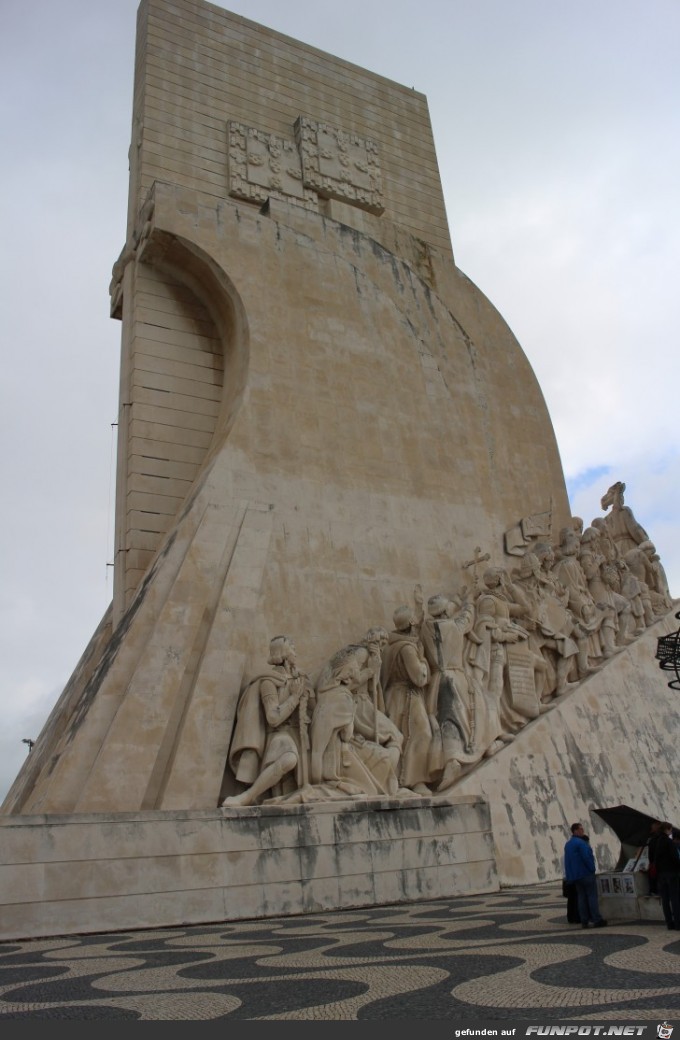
x=631 y=826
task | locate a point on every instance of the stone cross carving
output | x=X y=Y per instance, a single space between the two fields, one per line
x=475 y=562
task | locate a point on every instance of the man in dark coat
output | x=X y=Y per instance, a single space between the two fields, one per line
x=655 y=831
x=668 y=875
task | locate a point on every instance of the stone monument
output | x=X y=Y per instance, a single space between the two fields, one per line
x=323 y=425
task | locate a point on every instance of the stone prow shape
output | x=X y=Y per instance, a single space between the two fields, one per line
x=316 y=506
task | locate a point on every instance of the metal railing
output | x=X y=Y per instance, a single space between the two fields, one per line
x=668 y=655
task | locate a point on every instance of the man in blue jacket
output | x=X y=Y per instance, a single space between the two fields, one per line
x=579 y=867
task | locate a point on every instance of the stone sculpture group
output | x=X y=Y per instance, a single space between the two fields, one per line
x=408 y=712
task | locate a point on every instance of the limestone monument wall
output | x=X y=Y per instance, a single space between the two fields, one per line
x=317 y=408
x=327 y=434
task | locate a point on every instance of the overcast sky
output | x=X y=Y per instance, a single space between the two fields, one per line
x=557 y=127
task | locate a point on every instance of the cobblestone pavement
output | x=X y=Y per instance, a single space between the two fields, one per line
x=506 y=956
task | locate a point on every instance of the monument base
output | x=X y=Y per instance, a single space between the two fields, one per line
x=99 y=872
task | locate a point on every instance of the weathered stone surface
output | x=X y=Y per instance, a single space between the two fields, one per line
x=98 y=872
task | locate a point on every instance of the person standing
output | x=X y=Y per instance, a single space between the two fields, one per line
x=668 y=876
x=654 y=833
x=579 y=867
x=569 y=889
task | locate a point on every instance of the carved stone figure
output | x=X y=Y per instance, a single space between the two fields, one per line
x=638 y=593
x=405 y=679
x=660 y=579
x=625 y=582
x=353 y=742
x=605 y=542
x=332 y=724
x=641 y=563
x=345 y=756
x=624 y=529
x=569 y=571
x=550 y=624
x=615 y=608
x=368 y=655
x=467 y=726
x=269 y=746
x=514 y=666
x=581 y=604
x=370 y=719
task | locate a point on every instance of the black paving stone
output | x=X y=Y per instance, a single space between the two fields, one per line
x=305 y=967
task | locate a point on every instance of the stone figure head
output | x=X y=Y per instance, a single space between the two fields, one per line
x=348 y=674
x=590 y=536
x=404 y=618
x=529 y=566
x=614 y=496
x=376 y=636
x=438 y=605
x=569 y=541
x=493 y=577
x=340 y=658
x=545 y=554
x=605 y=544
x=281 y=649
